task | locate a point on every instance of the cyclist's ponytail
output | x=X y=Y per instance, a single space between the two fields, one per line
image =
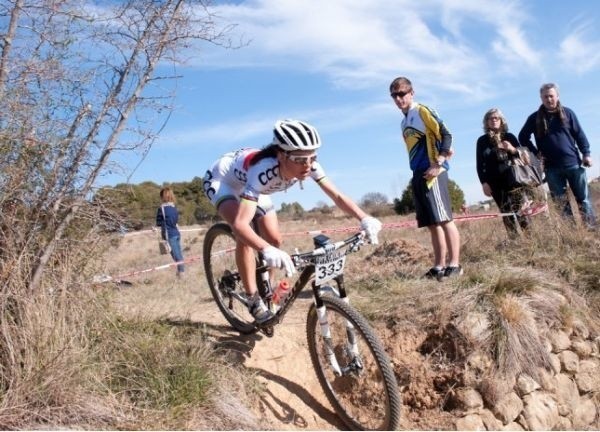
x=269 y=151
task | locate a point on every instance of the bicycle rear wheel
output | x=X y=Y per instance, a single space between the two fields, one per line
x=366 y=395
x=224 y=279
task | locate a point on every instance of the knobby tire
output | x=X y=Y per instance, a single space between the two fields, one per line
x=219 y=261
x=367 y=401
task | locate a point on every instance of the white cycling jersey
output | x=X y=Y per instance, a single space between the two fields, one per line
x=231 y=176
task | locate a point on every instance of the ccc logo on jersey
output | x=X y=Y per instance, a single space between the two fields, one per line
x=268 y=175
x=240 y=175
x=209 y=191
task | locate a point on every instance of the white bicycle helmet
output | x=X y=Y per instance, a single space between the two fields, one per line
x=292 y=135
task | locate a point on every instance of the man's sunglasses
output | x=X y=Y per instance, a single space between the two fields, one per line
x=302 y=160
x=399 y=94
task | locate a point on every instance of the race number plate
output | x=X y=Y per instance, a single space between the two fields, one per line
x=329 y=266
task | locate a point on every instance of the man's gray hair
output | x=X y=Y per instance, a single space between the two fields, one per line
x=549 y=86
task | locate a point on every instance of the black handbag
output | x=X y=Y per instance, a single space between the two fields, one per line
x=524 y=171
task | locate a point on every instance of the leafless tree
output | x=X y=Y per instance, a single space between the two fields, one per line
x=79 y=82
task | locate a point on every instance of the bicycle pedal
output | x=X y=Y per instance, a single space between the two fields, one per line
x=271 y=322
x=268 y=331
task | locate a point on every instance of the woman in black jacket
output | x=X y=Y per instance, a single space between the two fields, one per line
x=496 y=148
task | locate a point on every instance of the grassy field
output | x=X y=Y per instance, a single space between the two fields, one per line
x=512 y=282
x=146 y=361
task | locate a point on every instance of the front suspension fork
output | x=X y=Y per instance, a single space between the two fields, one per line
x=351 y=339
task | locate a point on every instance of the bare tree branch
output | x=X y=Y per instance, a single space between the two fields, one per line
x=77 y=76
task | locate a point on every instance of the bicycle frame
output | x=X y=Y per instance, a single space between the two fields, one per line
x=303 y=261
x=308 y=270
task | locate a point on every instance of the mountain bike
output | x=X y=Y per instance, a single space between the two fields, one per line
x=348 y=357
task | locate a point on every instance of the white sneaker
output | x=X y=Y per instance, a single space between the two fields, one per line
x=259 y=310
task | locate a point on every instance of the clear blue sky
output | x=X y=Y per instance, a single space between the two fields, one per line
x=330 y=63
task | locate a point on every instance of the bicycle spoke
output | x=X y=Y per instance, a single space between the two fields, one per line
x=223 y=278
x=359 y=381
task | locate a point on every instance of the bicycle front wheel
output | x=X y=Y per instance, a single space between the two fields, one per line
x=352 y=366
x=224 y=279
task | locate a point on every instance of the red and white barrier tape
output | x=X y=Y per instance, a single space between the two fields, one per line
x=118 y=278
x=150 y=231
x=528 y=211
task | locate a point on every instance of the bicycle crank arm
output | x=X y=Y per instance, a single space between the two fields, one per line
x=241 y=298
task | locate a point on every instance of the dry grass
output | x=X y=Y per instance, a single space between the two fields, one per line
x=130 y=357
x=521 y=287
x=44 y=339
x=168 y=375
x=68 y=358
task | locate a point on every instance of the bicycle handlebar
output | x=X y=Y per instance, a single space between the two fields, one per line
x=301 y=259
x=354 y=241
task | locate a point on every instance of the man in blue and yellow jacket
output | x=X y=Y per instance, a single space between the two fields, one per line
x=429 y=145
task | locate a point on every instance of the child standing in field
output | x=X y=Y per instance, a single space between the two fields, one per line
x=429 y=145
x=167 y=217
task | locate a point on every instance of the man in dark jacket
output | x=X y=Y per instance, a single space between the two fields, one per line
x=564 y=149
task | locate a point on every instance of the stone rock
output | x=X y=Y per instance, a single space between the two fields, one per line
x=489 y=420
x=563 y=424
x=547 y=344
x=540 y=411
x=582 y=348
x=508 y=408
x=580 y=329
x=546 y=379
x=526 y=385
x=589 y=365
x=569 y=361
x=560 y=341
x=467 y=398
x=588 y=382
x=567 y=394
x=514 y=426
x=555 y=363
x=584 y=414
x=477 y=325
x=471 y=422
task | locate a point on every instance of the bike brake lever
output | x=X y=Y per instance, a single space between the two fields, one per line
x=356 y=246
x=299 y=263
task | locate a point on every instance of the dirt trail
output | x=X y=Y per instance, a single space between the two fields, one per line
x=293 y=398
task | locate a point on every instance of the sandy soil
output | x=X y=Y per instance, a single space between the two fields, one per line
x=293 y=398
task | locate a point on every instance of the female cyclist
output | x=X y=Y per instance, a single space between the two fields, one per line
x=239 y=184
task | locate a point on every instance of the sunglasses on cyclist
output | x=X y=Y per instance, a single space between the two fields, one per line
x=399 y=94
x=302 y=160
